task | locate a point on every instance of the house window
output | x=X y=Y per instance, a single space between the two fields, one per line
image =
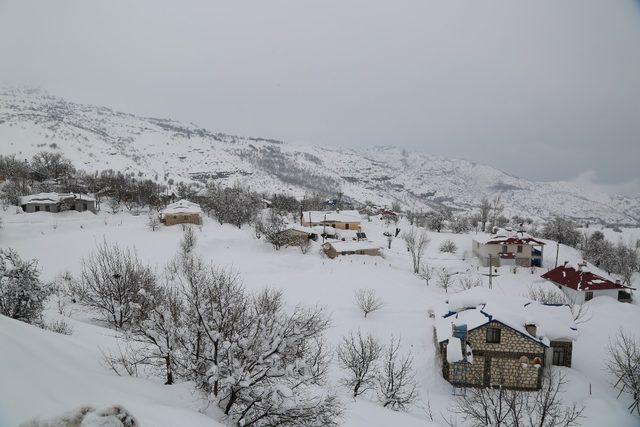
x=519 y=249
x=558 y=356
x=505 y=249
x=493 y=335
x=84 y=207
x=588 y=296
x=37 y=208
x=47 y=208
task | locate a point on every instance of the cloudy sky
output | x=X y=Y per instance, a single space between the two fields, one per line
x=543 y=89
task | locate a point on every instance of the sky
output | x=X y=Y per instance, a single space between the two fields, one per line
x=542 y=89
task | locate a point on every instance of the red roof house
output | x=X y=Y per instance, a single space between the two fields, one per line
x=583 y=284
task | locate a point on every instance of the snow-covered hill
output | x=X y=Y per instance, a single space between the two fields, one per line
x=97 y=138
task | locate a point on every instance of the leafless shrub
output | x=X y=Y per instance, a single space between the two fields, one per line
x=624 y=365
x=367 y=301
x=189 y=238
x=396 y=383
x=86 y=415
x=416 y=241
x=448 y=246
x=153 y=222
x=358 y=355
x=22 y=293
x=59 y=327
x=546 y=295
x=468 y=281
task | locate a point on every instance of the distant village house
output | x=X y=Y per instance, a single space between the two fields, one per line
x=343 y=219
x=57 y=202
x=580 y=284
x=350 y=247
x=508 y=247
x=181 y=212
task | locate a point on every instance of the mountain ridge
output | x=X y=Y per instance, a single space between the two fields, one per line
x=97 y=138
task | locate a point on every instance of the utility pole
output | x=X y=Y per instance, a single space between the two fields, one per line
x=490 y=274
x=557 y=252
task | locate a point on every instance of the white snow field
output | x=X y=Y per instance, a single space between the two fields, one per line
x=44 y=374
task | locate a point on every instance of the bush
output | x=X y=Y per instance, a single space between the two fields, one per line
x=448 y=246
x=22 y=294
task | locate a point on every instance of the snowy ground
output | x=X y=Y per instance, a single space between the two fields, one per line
x=46 y=374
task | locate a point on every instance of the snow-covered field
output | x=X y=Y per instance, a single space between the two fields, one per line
x=44 y=374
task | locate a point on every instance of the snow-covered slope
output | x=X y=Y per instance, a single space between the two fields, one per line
x=97 y=138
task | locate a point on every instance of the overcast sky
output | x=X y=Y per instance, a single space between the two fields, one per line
x=544 y=89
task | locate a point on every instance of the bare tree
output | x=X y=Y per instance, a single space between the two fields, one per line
x=416 y=241
x=189 y=239
x=485 y=209
x=396 y=384
x=273 y=227
x=359 y=355
x=624 y=366
x=367 y=301
x=469 y=281
x=153 y=222
x=546 y=295
x=445 y=279
x=505 y=407
x=114 y=282
x=426 y=272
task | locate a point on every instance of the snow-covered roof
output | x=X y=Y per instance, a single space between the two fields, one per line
x=331 y=216
x=330 y=231
x=478 y=306
x=581 y=278
x=351 y=245
x=181 y=207
x=301 y=228
x=52 y=198
x=508 y=237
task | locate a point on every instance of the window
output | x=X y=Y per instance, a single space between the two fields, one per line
x=37 y=208
x=493 y=335
x=519 y=249
x=588 y=296
x=558 y=356
x=505 y=249
x=47 y=208
x=346 y=226
x=84 y=207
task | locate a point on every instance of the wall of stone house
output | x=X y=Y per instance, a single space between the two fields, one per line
x=510 y=340
x=510 y=372
x=172 y=219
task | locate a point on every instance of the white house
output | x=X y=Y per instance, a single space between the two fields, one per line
x=509 y=247
x=580 y=284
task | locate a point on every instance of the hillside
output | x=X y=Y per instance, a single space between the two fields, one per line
x=97 y=138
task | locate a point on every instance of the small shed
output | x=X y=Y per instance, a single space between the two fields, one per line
x=350 y=247
x=181 y=212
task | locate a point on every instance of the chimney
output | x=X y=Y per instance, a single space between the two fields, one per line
x=531 y=328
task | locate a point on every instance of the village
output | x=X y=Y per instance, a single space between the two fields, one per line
x=504 y=308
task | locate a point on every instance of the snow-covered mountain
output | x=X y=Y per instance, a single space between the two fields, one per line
x=98 y=138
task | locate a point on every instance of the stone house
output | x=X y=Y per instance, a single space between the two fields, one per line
x=57 y=202
x=581 y=284
x=350 y=247
x=508 y=247
x=341 y=219
x=493 y=344
x=181 y=212
x=296 y=233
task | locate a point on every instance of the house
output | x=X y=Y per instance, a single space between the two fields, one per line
x=580 y=284
x=508 y=247
x=181 y=212
x=487 y=339
x=350 y=247
x=340 y=219
x=57 y=202
x=296 y=233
